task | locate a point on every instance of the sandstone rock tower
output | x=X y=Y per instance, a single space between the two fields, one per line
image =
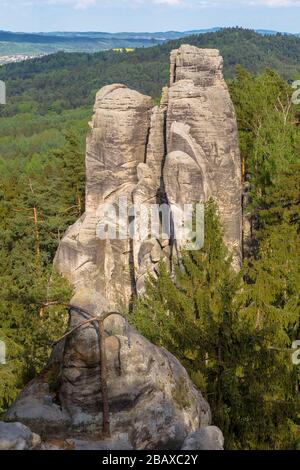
x=184 y=151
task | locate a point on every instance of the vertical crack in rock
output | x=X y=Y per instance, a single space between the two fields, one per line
x=116 y=146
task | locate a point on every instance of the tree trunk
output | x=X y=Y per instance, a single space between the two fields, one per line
x=103 y=378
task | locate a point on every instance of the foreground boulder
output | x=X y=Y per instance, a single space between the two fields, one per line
x=207 y=438
x=117 y=443
x=153 y=402
x=16 y=436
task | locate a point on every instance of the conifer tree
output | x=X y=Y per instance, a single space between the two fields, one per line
x=35 y=209
x=234 y=337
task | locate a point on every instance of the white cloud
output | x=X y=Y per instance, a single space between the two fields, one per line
x=275 y=3
x=169 y=2
x=77 y=4
x=84 y=4
x=190 y=3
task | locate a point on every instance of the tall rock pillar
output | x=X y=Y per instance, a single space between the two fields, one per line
x=203 y=158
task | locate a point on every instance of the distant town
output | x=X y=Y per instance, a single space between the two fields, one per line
x=13 y=58
x=6 y=59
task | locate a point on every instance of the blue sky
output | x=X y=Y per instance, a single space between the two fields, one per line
x=147 y=15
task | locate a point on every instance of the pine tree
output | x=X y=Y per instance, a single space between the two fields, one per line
x=266 y=118
x=195 y=315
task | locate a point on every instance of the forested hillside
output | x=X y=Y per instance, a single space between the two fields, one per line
x=62 y=81
x=35 y=44
x=49 y=94
x=48 y=43
x=232 y=332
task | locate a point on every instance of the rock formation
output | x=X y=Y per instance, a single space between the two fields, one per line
x=153 y=403
x=207 y=438
x=201 y=124
x=115 y=147
x=181 y=152
x=16 y=436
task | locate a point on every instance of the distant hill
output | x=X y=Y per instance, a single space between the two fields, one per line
x=37 y=44
x=47 y=43
x=64 y=81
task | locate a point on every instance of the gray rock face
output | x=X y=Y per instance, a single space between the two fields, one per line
x=201 y=124
x=120 y=442
x=16 y=436
x=151 y=190
x=204 y=67
x=207 y=438
x=37 y=407
x=116 y=146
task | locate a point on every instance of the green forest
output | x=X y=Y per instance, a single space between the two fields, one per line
x=233 y=332
x=49 y=43
x=67 y=81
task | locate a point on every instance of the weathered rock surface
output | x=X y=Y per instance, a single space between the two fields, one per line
x=118 y=443
x=37 y=407
x=201 y=124
x=206 y=438
x=151 y=190
x=116 y=146
x=16 y=436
